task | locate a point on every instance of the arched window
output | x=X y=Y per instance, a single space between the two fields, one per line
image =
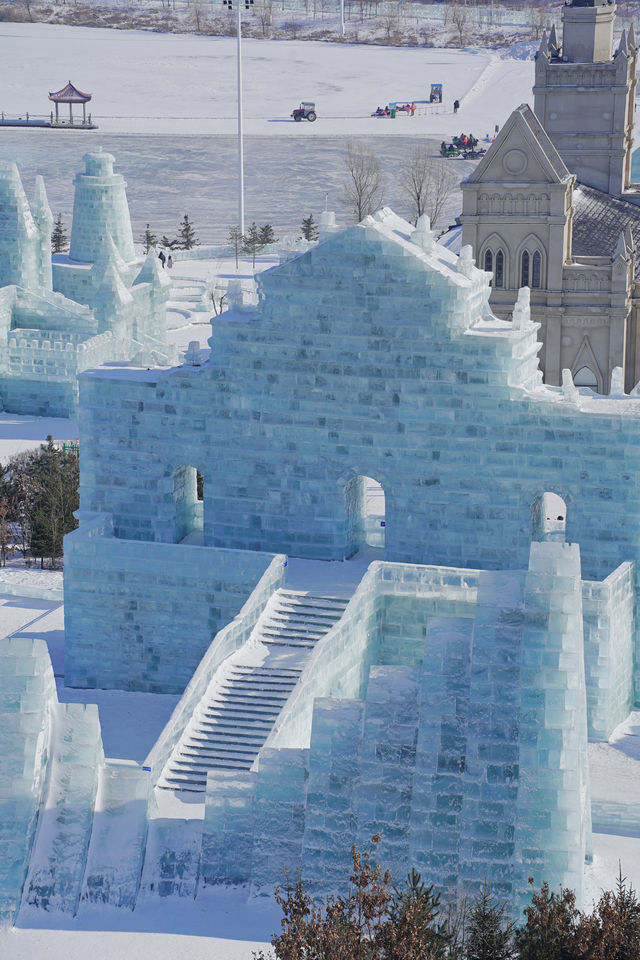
x=585 y=377
x=536 y=270
x=524 y=269
x=499 y=274
x=488 y=261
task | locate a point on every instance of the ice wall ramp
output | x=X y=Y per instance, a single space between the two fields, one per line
x=27 y=694
x=245 y=697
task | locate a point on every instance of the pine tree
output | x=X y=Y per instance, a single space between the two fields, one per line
x=309 y=229
x=168 y=244
x=235 y=239
x=549 y=933
x=186 y=234
x=59 y=238
x=490 y=932
x=251 y=242
x=267 y=235
x=148 y=239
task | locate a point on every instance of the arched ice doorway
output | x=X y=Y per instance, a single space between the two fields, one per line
x=549 y=517
x=365 y=509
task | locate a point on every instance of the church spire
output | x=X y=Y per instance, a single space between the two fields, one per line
x=622 y=46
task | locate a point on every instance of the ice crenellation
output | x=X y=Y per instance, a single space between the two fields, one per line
x=101 y=286
x=444 y=699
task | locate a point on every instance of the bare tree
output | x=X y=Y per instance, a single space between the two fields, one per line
x=428 y=183
x=537 y=16
x=363 y=185
x=264 y=16
x=198 y=13
x=460 y=16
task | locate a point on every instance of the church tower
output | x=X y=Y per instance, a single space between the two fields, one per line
x=584 y=95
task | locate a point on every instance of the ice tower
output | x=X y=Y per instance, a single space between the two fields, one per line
x=60 y=317
x=19 y=236
x=100 y=209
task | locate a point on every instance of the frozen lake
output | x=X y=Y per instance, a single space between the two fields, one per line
x=285 y=179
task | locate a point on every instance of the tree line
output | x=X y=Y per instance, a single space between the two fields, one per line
x=38 y=497
x=377 y=920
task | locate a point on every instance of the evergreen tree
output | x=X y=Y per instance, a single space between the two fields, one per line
x=489 y=932
x=57 y=479
x=550 y=929
x=267 y=235
x=148 y=239
x=252 y=243
x=59 y=238
x=612 y=931
x=186 y=234
x=235 y=239
x=168 y=244
x=309 y=229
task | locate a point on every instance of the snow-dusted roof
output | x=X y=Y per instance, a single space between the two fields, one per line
x=70 y=94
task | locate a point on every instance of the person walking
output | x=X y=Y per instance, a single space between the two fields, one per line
x=169 y=262
x=456 y=106
x=162 y=258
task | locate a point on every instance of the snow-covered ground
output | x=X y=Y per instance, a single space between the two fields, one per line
x=166 y=84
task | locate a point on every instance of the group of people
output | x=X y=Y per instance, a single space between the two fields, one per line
x=168 y=260
x=391 y=111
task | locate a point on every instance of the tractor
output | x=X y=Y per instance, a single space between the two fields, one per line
x=306 y=111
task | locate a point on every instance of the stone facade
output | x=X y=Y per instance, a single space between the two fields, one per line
x=551 y=205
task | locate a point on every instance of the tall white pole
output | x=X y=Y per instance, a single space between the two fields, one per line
x=240 y=143
x=342 y=18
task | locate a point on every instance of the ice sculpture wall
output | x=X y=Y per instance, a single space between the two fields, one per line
x=370 y=355
x=142 y=615
x=108 y=304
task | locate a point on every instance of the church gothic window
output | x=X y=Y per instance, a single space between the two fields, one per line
x=495 y=266
x=531 y=269
x=536 y=269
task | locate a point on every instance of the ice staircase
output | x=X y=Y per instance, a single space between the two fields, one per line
x=245 y=697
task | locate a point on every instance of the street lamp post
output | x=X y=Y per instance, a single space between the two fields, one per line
x=247 y=5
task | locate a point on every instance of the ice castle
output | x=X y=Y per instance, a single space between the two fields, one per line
x=101 y=303
x=442 y=695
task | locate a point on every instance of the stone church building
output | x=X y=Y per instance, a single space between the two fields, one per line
x=551 y=206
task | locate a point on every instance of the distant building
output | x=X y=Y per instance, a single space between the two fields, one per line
x=100 y=303
x=551 y=205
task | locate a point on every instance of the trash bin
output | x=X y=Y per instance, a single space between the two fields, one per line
x=393 y=113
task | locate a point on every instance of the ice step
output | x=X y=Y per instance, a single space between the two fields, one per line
x=235 y=716
x=64 y=824
x=118 y=837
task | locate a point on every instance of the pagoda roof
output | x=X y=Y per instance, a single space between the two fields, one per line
x=70 y=94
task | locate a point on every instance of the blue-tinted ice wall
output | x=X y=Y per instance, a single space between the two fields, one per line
x=367 y=356
x=140 y=616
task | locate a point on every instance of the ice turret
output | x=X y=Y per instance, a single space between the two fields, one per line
x=113 y=309
x=18 y=234
x=108 y=255
x=153 y=273
x=43 y=219
x=100 y=208
x=554 y=46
